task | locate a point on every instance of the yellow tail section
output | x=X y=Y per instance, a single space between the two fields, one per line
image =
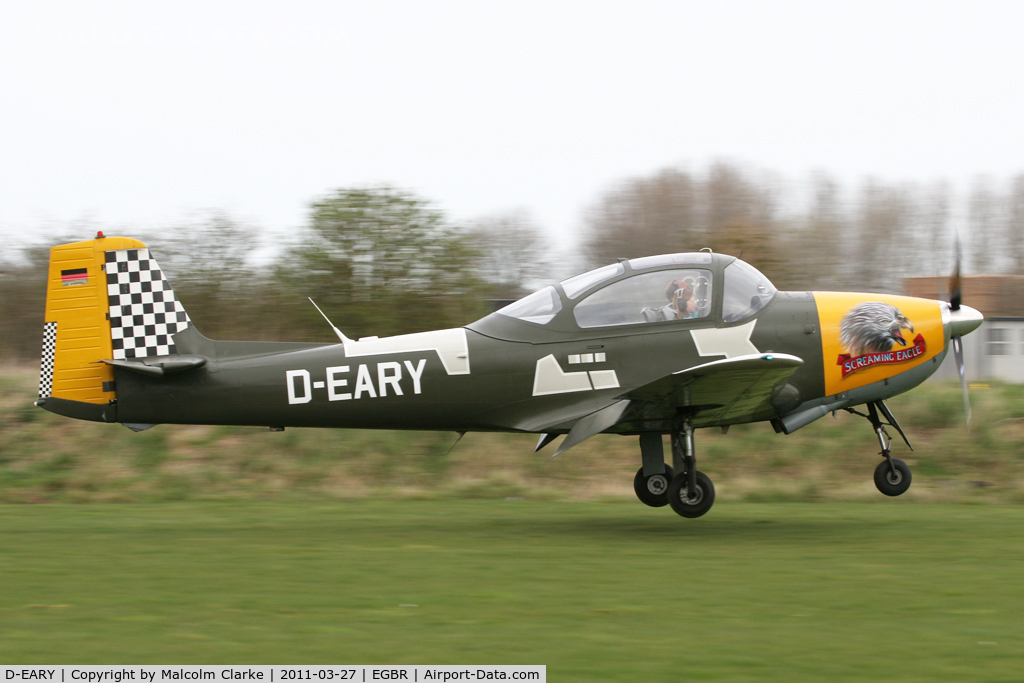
x=77 y=331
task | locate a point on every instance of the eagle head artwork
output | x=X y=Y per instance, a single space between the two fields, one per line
x=872 y=327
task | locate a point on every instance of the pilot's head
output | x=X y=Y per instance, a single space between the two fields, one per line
x=678 y=290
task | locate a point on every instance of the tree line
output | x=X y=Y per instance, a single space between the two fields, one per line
x=378 y=261
x=866 y=240
x=381 y=261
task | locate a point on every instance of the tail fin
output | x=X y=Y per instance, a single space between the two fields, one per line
x=106 y=299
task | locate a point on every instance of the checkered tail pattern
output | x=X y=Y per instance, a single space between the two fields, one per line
x=144 y=313
x=49 y=351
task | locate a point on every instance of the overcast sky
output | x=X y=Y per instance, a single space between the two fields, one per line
x=143 y=113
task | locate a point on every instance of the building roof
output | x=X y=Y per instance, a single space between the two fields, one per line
x=996 y=296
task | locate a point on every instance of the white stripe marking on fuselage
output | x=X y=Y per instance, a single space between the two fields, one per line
x=549 y=378
x=725 y=341
x=451 y=347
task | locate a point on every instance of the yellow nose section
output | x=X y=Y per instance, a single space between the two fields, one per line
x=866 y=338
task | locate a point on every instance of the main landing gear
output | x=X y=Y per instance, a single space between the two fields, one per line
x=653 y=489
x=892 y=476
x=689 y=492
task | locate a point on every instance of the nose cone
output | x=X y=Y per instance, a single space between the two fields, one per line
x=964 y=321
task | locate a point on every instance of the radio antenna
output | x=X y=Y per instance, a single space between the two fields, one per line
x=338 y=332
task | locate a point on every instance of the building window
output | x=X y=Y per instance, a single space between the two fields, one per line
x=1000 y=341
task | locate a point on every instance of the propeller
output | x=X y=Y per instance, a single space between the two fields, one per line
x=958 y=353
x=955 y=297
x=954 y=280
x=963 y=319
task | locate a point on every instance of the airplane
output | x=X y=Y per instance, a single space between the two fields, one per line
x=645 y=347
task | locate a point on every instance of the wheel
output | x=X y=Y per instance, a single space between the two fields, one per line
x=651 y=490
x=690 y=504
x=892 y=483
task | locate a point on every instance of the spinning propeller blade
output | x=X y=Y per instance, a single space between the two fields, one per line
x=958 y=351
x=955 y=297
x=954 y=280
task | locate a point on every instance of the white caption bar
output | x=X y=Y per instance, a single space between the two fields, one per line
x=338 y=673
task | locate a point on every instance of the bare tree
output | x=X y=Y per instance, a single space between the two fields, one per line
x=731 y=196
x=739 y=219
x=208 y=262
x=22 y=303
x=936 y=245
x=512 y=254
x=815 y=244
x=644 y=216
x=882 y=247
x=1014 y=229
x=674 y=210
x=983 y=218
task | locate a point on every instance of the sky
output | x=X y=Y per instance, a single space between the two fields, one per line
x=140 y=114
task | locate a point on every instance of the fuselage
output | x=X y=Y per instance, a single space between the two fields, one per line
x=501 y=373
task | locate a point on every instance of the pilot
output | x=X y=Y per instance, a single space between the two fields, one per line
x=681 y=304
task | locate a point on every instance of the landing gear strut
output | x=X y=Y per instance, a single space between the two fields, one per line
x=892 y=476
x=690 y=493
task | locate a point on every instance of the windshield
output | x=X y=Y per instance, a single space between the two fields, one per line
x=539 y=307
x=575 y=286
x=746 y=291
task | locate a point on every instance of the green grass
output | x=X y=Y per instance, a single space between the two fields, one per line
x=596 y=591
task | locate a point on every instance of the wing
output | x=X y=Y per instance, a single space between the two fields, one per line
x=720 y=392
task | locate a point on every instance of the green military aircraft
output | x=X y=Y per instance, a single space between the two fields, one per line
x=644 y=347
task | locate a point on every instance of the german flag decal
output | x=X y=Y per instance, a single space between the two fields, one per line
x=74 y=276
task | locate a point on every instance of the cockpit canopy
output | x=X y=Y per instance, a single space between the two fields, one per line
x=651 y=289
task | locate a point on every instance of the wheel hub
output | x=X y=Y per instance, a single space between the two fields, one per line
x=698 y=496
x=657 y=484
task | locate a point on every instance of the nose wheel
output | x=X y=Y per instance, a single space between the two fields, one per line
x=892 y=476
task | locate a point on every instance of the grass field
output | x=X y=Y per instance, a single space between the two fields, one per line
x=595 y=590
x=186 y=544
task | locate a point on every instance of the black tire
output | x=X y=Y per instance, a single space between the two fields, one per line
x=892 y=483
x=653 y=490
x=688 y=505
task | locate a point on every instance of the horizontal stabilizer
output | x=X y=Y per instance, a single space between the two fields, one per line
x=158 y=367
